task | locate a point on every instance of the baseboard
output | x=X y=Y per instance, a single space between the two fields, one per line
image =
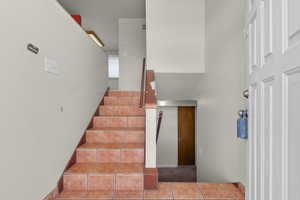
x=167 y=166
x=52 y=195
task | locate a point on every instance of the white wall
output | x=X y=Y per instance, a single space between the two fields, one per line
x=221 y=156
x=43 y=115
x=178 y=86
x=102 y=16
x=167 y=146
x=176 y=35
x=113 y=83
x=150 y=137
x=132 y=50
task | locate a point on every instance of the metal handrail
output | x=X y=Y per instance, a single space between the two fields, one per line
x=143 y=84
x=159 y=124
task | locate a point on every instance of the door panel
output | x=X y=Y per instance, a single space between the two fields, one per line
x=292 y=137
x=253 y=44
x=267 y=137
x=253 y=142
x=186 y=136
x=274 y=127
x=292 y=23
x=268 y=27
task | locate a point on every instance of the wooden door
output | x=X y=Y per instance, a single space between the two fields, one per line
x=186 y=136
x=274 y=74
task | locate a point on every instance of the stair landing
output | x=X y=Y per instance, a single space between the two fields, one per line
x=199 y=191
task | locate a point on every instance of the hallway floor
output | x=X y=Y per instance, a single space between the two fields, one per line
x=201 y=191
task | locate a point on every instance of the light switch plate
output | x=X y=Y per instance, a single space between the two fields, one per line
x=51 y=66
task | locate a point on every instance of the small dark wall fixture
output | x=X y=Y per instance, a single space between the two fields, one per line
x=33 y=49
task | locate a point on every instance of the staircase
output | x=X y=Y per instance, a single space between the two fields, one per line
x=112 y=159
x=110 y=164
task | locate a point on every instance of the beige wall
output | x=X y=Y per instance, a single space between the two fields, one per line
x=167 y=145
x=221 y=156
x=102 y=16
x=132 y=51
x=113 y=83
x=43 y=115
x=176 y=35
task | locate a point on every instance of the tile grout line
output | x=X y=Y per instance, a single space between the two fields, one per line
x=87 y=182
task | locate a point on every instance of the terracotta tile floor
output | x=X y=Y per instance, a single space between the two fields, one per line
x=166 y=191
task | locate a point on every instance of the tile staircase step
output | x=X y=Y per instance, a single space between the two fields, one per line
x=201 y=191
x=112 y=146
x=86 y=195
x=91 y=177
x=119 y=122
x=115 y=136
x=101 y=195
x=117 y=93
x=118 y=129
x=115 y=110
x=112 y=100
x=110 y=153
x=105 y=168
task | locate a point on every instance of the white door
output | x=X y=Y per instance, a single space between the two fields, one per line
x=274 y=70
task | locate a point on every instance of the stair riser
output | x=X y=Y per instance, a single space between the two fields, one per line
x=124 y=93
x=115 y=137
x=121 y=101
x=110 y=156
x=117 y=182
x=119 y=122
x=121 y=111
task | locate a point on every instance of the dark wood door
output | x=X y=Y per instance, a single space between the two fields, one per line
x=186 y=135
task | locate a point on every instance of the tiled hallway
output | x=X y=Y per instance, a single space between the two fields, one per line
x=206 y=191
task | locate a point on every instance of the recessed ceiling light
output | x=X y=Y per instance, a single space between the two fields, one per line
x=94 y=37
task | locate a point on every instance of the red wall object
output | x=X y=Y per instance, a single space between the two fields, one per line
x=77 y=18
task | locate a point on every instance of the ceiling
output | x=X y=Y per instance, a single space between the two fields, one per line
x=102 y=16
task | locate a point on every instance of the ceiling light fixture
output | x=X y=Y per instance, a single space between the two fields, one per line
x=95 y=37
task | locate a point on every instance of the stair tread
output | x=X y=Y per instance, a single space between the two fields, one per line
x=106 y=168
x=122 y=105
x=84 y=195
x=117 y=129
x=135 y=97
x=113 y=116
x=105 y=115
x=123 y=93
x=100 y=194
x=112 y=146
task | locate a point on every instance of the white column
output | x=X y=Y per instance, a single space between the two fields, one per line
x=151 y=125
